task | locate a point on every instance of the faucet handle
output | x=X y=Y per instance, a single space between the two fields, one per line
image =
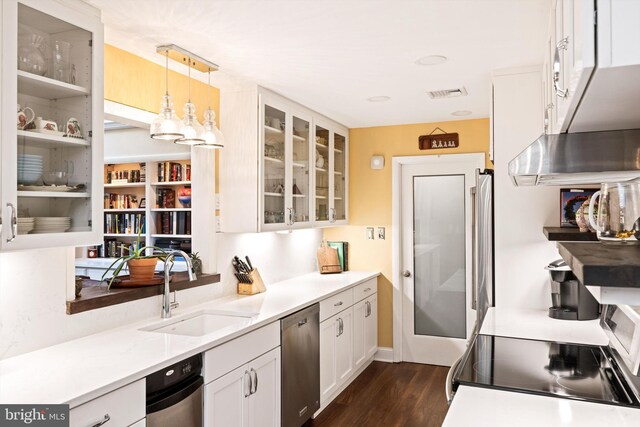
x=174 y=304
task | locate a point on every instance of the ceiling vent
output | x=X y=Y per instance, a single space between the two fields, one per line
x=447 y=93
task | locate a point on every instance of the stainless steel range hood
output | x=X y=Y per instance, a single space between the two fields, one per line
x=578 y=159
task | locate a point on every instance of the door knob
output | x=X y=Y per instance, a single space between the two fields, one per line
x=406 y=273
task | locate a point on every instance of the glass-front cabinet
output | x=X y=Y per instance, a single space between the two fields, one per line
x=331 y=172
x=52 y=70
x=286 y=181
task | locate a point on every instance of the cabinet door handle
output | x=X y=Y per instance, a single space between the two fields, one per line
x=105 y=420
x=338 y=304
x=14 y=222
x=333 y=216
x=254 y=380
x=367 y=312
x=557 y=68
x=247 y=391
x=367 y=290
x=292 y=216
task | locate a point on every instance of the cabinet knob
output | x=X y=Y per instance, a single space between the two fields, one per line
x=406 y=273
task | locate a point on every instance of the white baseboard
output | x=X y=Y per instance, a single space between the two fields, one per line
x=384 y=354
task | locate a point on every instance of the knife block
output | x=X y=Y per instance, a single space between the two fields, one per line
x=256 y=287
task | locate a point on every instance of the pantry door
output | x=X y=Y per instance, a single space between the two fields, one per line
x=436 y=233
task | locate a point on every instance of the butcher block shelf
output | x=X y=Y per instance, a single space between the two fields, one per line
x=565 y=234
x=607 y=265
x=95 y=296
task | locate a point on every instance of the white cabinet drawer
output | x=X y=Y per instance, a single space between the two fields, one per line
x=228 y=356
x=335 y=304
x=123 y=407
x=365 y=289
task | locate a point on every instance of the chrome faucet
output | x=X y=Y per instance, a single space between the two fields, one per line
x=167 y=305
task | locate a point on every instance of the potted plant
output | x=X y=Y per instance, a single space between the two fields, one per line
x=140 y=265
x=196 y=262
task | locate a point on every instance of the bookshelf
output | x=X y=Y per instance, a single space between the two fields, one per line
x=148 y=195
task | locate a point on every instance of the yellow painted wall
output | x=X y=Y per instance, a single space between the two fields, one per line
x=137 y=82
x=370 y=196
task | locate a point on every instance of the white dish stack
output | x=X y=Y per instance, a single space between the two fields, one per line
x=29 y=168
x=25 y=225
x=51 y=224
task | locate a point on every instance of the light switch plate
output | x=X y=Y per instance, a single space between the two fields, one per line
x=370 y=235
x=381 y=233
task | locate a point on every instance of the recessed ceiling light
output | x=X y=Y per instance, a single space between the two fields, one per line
x=381 y=98
x=432 y=60
x=461 y=113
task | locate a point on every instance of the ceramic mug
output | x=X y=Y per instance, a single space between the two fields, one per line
x=23 y=117
x=46 y=124
x=618 y=216
x=276 y=123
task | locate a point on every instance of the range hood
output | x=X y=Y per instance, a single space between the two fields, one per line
x=579 y=159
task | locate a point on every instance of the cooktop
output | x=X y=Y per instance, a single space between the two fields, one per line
x=572 y=371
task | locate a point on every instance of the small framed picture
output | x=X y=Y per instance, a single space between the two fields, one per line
x=570 y=201
x=143 y=203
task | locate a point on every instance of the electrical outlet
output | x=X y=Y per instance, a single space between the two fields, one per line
x=381 y=233
x=370 y=235
x=217 y=201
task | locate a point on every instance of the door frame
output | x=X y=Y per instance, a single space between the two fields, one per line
x=396 y=234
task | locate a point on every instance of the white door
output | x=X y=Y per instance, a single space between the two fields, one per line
x=264 y=402
x=328 y=377
x=371 y=326
x=344 y=345
x=359 y=351
x=436 y=223
x=225 y=400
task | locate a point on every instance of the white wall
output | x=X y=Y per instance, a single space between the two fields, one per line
x=33 y=288
x=521 y=250
x=122 y=145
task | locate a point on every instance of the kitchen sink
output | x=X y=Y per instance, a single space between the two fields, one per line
x=203 y=323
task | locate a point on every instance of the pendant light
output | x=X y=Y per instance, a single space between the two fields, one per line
x=212 y=136
x=191 y=128
x=166 y=126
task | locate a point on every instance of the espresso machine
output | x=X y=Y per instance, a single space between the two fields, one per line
x=570 y=299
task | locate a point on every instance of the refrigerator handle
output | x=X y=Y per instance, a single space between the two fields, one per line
x=474 y=247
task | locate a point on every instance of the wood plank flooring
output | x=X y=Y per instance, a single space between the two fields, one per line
x=390 y=394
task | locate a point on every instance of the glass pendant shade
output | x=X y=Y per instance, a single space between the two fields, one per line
x=191 y=128
x=166 y=126
x=212 y=136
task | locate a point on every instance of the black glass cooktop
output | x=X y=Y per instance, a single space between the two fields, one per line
x=571 y=371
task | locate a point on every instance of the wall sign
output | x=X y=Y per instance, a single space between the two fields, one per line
x=437 y=141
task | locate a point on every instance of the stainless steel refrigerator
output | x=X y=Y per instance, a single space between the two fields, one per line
x=482 y=259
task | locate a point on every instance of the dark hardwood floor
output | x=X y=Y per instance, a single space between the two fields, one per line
x=390 y=394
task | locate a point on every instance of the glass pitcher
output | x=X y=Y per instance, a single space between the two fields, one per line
x=618 y=216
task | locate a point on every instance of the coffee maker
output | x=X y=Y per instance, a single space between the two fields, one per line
x=570 y=299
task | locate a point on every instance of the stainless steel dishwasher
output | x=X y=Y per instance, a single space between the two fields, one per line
x=300 y=335
x=174 y=395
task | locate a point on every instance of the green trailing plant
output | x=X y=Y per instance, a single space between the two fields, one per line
x=135 y=251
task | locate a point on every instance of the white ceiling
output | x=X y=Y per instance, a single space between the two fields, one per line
x=331 y=55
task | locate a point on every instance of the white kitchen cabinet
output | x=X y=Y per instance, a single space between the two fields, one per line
x=365 y=330
x=70 y=89
x=248 y=396
x=285 y=166
x=371 y=326
x=336 y=352
x=122 y=407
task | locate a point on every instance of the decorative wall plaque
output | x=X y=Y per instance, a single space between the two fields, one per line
x=438 y=141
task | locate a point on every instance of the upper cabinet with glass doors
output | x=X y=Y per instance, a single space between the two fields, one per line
x=285 y=173
x=52 y=70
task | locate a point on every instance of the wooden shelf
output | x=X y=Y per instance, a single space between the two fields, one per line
x=125 y=185
x=163 y=184
x=299 y=195
x=43 y=140
x=273 y=160
x=44 y=87
x=142 y=236
x=123 y=210
x=321 y=197
x=172 y=236
x=95 y=296
x=298 y=165
x=606 y=265
x=337 y=151
x=54 y=194
x=565 y=234
x=171 y=210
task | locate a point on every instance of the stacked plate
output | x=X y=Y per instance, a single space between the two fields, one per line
x=25 y=225
x=51 y=224
x=29 y=168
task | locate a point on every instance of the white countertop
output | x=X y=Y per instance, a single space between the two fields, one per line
x=77 y=371
x=537 y=325
x=483 y=407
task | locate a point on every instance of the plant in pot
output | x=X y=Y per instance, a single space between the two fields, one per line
x=196 y=262
x=140 y=266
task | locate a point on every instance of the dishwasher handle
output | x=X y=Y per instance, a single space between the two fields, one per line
x=180 y=393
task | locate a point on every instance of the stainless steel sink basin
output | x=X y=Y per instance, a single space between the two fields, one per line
x=203 y=323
